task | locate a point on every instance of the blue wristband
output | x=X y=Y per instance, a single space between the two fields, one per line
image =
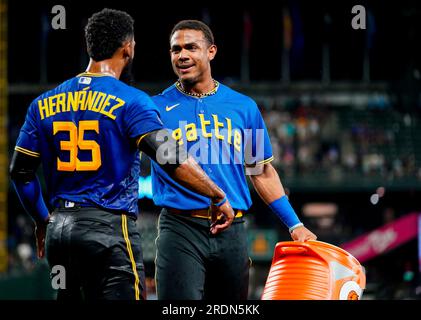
x=220 y=203
x=283 y=209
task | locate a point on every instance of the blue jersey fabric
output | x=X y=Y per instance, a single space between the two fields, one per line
x=84 y=131
x=223 y=132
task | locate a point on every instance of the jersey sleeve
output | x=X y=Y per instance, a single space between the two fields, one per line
x=142 y=116
x=258 y=148
x=28 y=139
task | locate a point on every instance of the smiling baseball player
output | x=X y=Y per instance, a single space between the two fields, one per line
x=225 y=132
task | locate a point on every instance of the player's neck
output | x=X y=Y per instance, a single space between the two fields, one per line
x=199 y=88
x=107 y=67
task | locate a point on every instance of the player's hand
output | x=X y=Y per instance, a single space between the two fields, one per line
x=302 y=234
x=40 y=231
x=226 y=217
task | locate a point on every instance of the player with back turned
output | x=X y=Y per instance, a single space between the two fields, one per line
x=225 y=132
x=87 y=133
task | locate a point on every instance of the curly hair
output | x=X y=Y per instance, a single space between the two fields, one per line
x=106 y=31
x=194 y=25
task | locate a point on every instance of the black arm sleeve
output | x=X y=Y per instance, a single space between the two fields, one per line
x=23 y=174
x=23 y=167
x=162 y=148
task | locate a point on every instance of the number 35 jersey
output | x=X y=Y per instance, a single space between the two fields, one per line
x=84 y=131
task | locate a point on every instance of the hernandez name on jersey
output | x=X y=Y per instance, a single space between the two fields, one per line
x=84 y=131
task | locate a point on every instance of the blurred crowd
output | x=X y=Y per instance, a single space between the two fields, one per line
x=339 y=143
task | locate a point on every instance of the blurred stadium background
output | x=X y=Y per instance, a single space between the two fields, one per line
x=343 y=107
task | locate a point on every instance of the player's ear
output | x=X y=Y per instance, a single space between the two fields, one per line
x=128 y=48
x=212 y=52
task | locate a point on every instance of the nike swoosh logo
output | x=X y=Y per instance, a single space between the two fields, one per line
x=169 y=108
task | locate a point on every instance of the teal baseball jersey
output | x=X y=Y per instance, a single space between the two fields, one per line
x=224 y=132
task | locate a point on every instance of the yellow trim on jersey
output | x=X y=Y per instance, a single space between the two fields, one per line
x=129 y=250
x=93 y=74
x=28 y=152
x=140 y=138
x=260 y=162
x=266 y=160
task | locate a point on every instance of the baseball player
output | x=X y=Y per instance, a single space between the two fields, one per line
x=87 y=133
x=225 y=132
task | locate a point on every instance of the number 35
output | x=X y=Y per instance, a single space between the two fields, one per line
x=77 y=142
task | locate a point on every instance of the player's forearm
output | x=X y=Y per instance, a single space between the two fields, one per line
x=27 y=186
x=268 y=184
x=190 y=175
x=269 y=187
x=30 y=196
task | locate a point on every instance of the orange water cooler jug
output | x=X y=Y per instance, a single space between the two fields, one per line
x=313 y=270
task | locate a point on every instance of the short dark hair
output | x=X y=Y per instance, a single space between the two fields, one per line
x=194 y=25
x=106 y=31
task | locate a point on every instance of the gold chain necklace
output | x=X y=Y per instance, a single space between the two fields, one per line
x=198 y=95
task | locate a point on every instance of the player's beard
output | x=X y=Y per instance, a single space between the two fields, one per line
x=190 y=82
x=127 y=74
